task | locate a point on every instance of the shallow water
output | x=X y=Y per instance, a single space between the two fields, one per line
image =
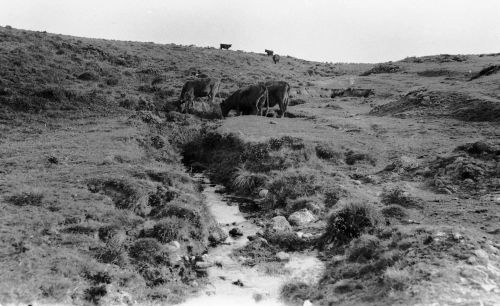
x=259 y=288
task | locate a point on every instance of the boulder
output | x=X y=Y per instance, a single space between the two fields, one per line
x=283 y=256
x=236 y=232
x=279 y=223
x=217 y=235
x=301 y=217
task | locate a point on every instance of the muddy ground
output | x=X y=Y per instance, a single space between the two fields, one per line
x=397 y=192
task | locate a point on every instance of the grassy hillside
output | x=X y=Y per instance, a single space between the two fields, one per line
x=98 y=207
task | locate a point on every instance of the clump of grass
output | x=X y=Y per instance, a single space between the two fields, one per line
x=396 y=278
x=32 y=198
x=147 y=250
x=169 y=229
x=328 y=153
x=247 y=182
x=95 y=293
x=112 y=253
x=397 y=194
x=333 y=194
x=292 y=184
x=295 y=293
x=352 y=158
x=394 y=211
x=349 y=222
x=124 y=193
x=286 y=241
x=364 y=248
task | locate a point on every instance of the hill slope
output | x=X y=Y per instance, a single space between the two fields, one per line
x=98 y=207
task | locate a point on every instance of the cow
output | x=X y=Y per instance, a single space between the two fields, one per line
x=205 y=87
x=279 y=93
x=269 y=52
x=225 y=46
x=276 y=58
x=247 y=101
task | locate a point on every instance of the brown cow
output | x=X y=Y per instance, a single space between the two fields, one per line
x=269 y=52
x=225 y=46
x=205 y=87
x=247 y=101
x=279 y=92
x=276 y=58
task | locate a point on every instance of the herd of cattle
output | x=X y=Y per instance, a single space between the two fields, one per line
x=250 y=100
x=276 y=57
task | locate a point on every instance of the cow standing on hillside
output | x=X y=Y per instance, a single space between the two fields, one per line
x=205 y=87
x=269 y=52
x=276 y=58
x=247 y=101
x=279 y=93
x=225 y=46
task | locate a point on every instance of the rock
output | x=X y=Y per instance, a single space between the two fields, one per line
x=203 y=265
x=491 y=249
x=236 y=232
x=482 y=256
x=217 y=236
x=279 y=223
x=356 y=182
x=307 y=303
x=173 y=246
x=301 y=217
x=263 y=193
x=283 y=256
x=300 y=234
x=457 y=237
x=273 y=122
x=238 y=283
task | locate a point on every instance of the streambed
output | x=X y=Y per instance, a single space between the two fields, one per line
x=258 y=286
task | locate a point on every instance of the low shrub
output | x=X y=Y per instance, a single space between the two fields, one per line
x=147 y=250
x=364 y=248
x=398 y=194
x=26 y=199
x=169 y=229
x=296 y=292
x=394 y=211
x=333 y=194
x=352 y=158
x=349 y=222
x=328 y=153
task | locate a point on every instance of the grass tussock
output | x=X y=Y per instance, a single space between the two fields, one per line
x=349 y=222
x=33 y=198
x=398 y=194
x=247 y=182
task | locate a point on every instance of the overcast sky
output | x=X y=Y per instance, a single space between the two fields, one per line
x=321 y=30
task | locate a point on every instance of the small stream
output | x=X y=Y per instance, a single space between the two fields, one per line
x=259 y=287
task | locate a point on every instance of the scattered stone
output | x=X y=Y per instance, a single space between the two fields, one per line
x=238 y=283
x=283 y=256
x=356 y=182
x=263 y=193
x=272 y=122
x=307 y=303
x=457 y=237
x=482 y=256
x=279 y=223
x=300 y=234
x=301 y=217
x=173 y=246
x=236 y=232
x=203 y=265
